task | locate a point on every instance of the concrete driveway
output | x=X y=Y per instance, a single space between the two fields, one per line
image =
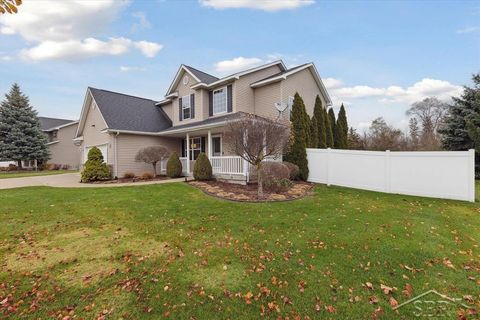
x=68 y=180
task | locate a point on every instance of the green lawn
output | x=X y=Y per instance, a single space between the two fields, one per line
x=21 y=174
x=170 y=251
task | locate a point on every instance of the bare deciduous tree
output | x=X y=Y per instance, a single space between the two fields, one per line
x=152 y=155
x=429 y=109
x=254 y=139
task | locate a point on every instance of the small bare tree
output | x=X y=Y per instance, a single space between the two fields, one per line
x=254 y=138
x=152 y=155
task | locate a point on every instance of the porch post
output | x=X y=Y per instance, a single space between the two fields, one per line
x=188 y=153
x=209 y=154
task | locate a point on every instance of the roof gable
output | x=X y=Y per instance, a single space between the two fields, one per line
x=126 y=112
x=284 y=74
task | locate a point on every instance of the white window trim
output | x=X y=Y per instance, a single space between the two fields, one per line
x=226 y=100
x=189 y=107
x=221 y=144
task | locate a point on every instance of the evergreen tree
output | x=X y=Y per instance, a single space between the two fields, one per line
x=414 y=133
x=298 y=153
x=318 y=113
x=341 y=129
x=354 y=140
x=328 y=129
x=20 y=135
x=313 y=133
x=463 y=115
x=308 y=128
x=331 y=118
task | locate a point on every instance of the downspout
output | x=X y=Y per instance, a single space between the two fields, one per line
x=115 y=151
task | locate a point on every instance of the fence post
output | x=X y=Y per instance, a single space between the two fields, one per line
x=387 y=171
x=471 y=175
x=328 y=166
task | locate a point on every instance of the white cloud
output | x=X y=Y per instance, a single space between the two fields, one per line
x=149 y=49
x=61 y=20
x=237 y=64
x=142 y=22
x=131 y=69
x=266 y=5
x=67 y=29
x=427 y=87
x=74 y=49
x=90 y=47
x=468 y=30
x=331 y=83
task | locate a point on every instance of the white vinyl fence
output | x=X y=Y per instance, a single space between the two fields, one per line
x=437 y=174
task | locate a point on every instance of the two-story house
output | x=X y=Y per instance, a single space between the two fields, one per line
x=60 y=134
x=192 y=116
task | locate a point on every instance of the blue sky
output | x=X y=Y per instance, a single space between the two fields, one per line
x=376 y=56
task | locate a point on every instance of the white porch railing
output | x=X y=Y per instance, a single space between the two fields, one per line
x=220 y=165
x=228 y=165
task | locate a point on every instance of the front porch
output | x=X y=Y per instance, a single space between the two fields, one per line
x=210 y=141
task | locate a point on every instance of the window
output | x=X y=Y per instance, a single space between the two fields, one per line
x=195 y=147
x=186 y=111
x=220 y=100
x=216 y=146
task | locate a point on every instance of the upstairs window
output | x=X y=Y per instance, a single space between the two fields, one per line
x=186 y=108
x=220 y=100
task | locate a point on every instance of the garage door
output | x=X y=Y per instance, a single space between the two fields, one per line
x=103 y=148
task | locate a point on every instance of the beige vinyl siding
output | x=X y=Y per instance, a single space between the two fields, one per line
x=243 y=94
x=168 y=109
x=304 y=83
x=265 y=99
x=64 y=152
x=185 y=90
x=129 y=144
x=92 y=135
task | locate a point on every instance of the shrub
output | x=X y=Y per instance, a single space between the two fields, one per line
x=129 y=175
x=146 y=175
x=202 y=170
x=275 y=176
x=293 y=170
x=65 y=167
x=95 y=169
x=56 y=166
x=174 y=166
x=12 y=167
x=277 y=185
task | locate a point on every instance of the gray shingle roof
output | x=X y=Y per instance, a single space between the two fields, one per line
x=204 y=77
x=281 y=73
x=130 y=113
x=48 y=123
x=208 y=121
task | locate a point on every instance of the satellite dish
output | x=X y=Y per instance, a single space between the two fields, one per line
x=280 y=106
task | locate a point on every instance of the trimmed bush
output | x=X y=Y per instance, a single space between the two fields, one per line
x=129 y=175
x=202 y=170
x=277 y=185
x=174 y=166
x=95 y=169
x=146 y=175
x=275 y=177
x=293 y=170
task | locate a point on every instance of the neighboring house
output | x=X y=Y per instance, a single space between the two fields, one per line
x=195 y=108
x=60 y=134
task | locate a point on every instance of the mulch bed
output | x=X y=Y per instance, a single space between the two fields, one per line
x=248 y=193
x=130 y=180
